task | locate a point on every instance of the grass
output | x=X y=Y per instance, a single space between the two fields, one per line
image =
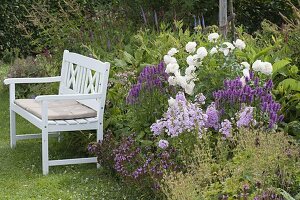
x=21 y=175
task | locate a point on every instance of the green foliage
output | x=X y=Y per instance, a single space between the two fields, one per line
x=252 y=13
x=40 y=66
x=261 y=162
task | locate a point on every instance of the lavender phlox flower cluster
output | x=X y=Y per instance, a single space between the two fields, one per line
x=226 y=128
x=245 y=117
x=252 y=94
x=182 y=116
x=163 y=144
x=200 y=99
x=212 y=117
x=151 y=77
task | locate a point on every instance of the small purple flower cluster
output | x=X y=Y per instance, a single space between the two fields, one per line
x=245 y=117
x=131 y=162
x=151 y=78
x=252 y=94
x=182 y=116
x=124 y=154
x=200 y=99
x=163 y=144
x=226 y=128
x=212 y=117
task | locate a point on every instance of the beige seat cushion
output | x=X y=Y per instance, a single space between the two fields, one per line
x=58 y=110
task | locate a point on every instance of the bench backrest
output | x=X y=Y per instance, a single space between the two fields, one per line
x=84 y=75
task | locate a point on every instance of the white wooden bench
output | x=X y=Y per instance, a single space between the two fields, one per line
x=78 y=106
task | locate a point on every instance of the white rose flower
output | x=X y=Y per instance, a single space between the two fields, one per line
x=229 y=45
x=191 y=47
x=240 y=44
x=190 y=70
x=169 y=59
x=189 y=77
x=172 y=68
x=172 y=52
x=172 y=80
x=224 y=50
x=171 y=102
x=191 y=60
x=246 y=65
x=267 y=68
x=202 y=52
x=246 y=72
x=189 y=88
x=213 y=51
x=257 y=65
x=180 y=80
x=213 y=37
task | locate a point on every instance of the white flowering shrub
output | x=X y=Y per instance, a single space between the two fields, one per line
x=208 y=64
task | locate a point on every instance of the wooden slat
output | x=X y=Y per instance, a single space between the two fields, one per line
x=61 y=122
x=91 y=120
x=81 y=121
x=71 y=122
x=72 y=161
x=51 y=122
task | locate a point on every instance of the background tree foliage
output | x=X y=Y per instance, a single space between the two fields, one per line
x=17 y=32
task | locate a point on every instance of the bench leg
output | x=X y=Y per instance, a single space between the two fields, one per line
x=45 y=153
x=12 y=129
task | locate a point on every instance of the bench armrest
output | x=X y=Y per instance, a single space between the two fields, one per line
x=32 y=80
x=68 y=97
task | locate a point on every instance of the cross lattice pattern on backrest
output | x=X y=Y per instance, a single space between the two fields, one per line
x=83 y=75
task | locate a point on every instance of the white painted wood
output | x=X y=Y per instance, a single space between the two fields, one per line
x=61 y=122
x=72 y=161
x=83 y=79
x=32 y=80
x=71 y=122
x=33 y=136
x=81 y=121
x=91 y=120
x=27 y=115
x=12 y=116
x=45 y=153
x=68 y=96
x=75 y=127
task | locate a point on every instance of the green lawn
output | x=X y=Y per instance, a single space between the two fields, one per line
x=21 y=175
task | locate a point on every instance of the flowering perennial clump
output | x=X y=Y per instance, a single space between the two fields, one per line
x=235 y=94
x=245 y=117
x=195 y=60
x=226 y=128
x=212 y=117
x=182 y=116
x=151 y=78
x=134 y=162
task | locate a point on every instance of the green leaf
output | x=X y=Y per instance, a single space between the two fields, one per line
x=128 y=58
x=146 y=142
x=262 y=52
x=291 y=84
x=286 y=195
x=120 y=63
x=294 y=70
x=279 y=66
